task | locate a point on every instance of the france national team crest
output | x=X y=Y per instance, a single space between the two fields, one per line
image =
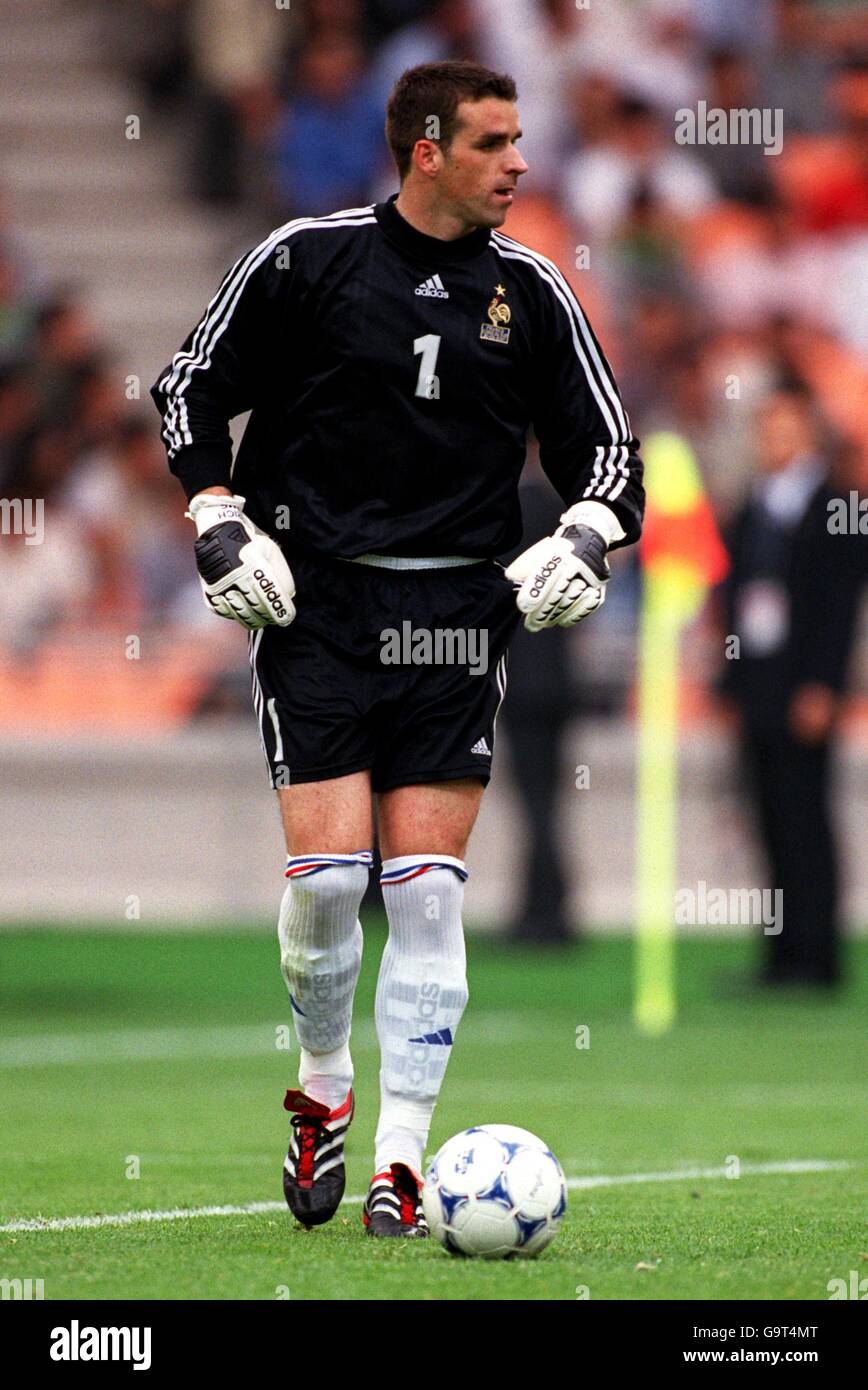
x=500 y=315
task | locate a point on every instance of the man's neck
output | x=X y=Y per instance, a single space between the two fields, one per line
x=432 y=221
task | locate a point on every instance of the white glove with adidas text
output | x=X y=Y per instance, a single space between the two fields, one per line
x=242 y=571
x=562 y=578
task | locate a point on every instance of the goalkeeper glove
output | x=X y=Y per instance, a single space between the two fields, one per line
x=562 y=578
x=242 y=571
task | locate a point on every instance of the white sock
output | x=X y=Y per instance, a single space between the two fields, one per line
x=320 y=958
x=421 y=994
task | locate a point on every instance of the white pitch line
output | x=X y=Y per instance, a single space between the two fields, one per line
x=146 y=1044
x=792 y=1165
x=188 y=1044
x=134 y=1218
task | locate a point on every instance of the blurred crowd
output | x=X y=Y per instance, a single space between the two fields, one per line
x=114 y=545
x=712 y=273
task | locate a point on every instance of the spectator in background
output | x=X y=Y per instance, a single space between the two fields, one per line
x=90 y=494
x=640 y=158
x=650 y=51
x=733 y=23
x=773 y=268
x=741 y=172
x=165 y=589
x=167 y=592
x=150 y=39
x=123 y=476
x=645 y=254
x=661 y=338
x=328 y=142
x=552 y=684
x=98 y=404
x=693 y=402
x=792 y=600
x=237 y=49
x=541 y=42
x=445 y=29
x=795 y=71
x=62 y=344
x=541 y=704
x=17 y=427
x=46 y=577
x=833 y=189
x=594 y=103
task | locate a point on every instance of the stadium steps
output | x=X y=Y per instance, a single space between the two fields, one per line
x=92 y=208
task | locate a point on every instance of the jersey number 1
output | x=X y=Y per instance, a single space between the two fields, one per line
x=428 y=386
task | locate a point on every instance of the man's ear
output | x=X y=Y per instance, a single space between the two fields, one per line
x=428 y=157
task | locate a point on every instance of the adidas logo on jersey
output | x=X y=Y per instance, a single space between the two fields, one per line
x=481 y=747
x=433 y=288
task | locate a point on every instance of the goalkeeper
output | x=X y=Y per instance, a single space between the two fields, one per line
x=393 y=358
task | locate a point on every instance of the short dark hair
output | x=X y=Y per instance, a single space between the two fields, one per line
x=435 y=89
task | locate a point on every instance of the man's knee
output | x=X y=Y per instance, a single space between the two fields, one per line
x=323 y=883
x=319 y=918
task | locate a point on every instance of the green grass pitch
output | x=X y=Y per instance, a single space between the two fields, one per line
x=157 y=1054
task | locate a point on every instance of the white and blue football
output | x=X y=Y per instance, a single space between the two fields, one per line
x=496 y=1192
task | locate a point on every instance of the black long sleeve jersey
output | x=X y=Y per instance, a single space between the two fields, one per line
x=392 y=378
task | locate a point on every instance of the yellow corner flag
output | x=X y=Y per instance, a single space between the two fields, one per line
x=682 y=556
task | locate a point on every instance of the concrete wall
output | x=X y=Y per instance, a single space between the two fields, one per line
x=185 y=829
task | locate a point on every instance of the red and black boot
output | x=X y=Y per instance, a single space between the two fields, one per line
x=393 y=1206
x=313 y=1174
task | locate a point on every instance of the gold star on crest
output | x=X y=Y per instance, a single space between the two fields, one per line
x=499 y=289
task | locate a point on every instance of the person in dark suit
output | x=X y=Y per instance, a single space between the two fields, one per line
x=792 y=600
x=545 y=695
x=542 y=701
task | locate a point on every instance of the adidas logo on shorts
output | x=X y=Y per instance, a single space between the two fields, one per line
x=481 y=747
x=433 y=288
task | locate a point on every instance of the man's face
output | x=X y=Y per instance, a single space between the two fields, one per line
x=482 y=166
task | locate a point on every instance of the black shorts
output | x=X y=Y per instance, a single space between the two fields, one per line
x=398 y=671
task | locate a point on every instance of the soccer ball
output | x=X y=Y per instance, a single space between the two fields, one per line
x=494 y=1191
